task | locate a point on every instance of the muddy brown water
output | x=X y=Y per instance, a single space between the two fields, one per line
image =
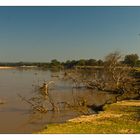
x=16 y=116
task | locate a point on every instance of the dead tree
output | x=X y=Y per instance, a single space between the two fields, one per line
x=114 y=77
x=45 y=87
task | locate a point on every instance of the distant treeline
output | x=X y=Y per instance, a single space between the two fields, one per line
x=131 y=60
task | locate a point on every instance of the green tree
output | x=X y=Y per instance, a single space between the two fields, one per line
x=91 y=62
x=100 y=63
x=55 y=62
x=81 y=62
x=131 y=59
x=138 y=63
x=70 y=64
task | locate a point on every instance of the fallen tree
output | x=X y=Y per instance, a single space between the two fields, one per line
x=114 y=77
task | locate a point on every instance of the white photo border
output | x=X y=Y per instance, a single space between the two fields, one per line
x=69 y=3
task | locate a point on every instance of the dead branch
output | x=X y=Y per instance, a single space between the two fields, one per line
x=34 y=105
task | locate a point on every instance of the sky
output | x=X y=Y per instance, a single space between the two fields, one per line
x=40 y=34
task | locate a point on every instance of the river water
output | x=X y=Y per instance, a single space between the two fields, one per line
x=16 y=115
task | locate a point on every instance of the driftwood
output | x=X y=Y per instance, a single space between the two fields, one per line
x=45 y=87
x=37 y=102
x=34 y=106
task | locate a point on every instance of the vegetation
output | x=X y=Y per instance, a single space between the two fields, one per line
x=113 y=76
x=122 y=117
x=131 y=60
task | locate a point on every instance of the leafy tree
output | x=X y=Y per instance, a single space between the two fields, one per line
x=100 y=63
x=55 y=62
x=138 y=63
x=81 y=62
x=70 y=64
x=131 y=59
x=91 y=62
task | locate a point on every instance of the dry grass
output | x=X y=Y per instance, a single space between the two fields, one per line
x=129 y=103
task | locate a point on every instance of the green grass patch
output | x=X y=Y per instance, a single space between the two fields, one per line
x=118 y=118
x=137 y=68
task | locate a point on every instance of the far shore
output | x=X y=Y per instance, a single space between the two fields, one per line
x=6 y=67
x=13 y=67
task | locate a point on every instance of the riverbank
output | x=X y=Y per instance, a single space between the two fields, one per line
x=118 y=118
x=6 y=67
x=14 y=67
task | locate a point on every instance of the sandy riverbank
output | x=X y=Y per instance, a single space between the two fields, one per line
x=6 y=67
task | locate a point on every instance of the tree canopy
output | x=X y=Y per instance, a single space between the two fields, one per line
x=131 y=59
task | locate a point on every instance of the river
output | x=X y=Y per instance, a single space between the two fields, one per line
x=16 y=115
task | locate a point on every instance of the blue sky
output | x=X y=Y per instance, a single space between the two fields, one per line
x=44 y=33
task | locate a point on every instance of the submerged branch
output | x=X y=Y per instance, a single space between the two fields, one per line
x=35 y=106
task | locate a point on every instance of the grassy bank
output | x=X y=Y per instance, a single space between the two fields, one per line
x=121 y=117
